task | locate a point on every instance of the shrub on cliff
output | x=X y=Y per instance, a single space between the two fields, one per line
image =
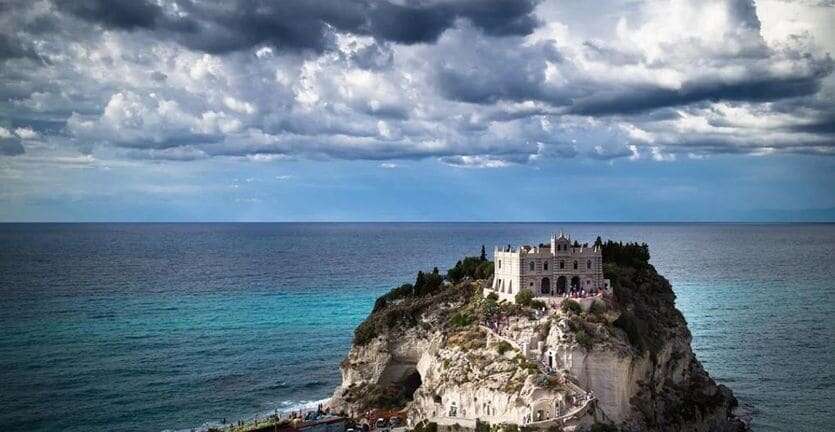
x=364 y=332
x=472 y=267
x=626 y=254
x=571 y=306
x=427 y=283
x=538 y=304
x=403 y=306
x=503 y=347
x=461 y=319
x=373 y=396
x=403 y=291
x=603 y=427
x=583 y=339
x=426 y=427
x=646 y=298
x=482 y=426
x=524 y=297
x=597 y=308
x=467 y=339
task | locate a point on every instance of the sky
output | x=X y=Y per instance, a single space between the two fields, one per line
x=424 y=110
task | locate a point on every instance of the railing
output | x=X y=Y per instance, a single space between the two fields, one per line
x=574 y=414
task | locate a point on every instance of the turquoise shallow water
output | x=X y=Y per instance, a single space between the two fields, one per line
x=135 y=327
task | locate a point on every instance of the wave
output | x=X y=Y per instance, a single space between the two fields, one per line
x=304 y=405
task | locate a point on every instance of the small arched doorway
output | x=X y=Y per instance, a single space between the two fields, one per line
x=545 y=286
x=561 y=285
x=575 y=283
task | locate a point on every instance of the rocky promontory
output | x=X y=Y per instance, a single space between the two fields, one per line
x=448 y=353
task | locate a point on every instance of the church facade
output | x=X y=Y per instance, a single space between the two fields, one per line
x=560 y=268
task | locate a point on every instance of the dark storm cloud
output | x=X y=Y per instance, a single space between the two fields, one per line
x=476 y=83
x=11 y=147
x=753 y=89
x=120 y=14
x=520 y=76
x=12 y=47
x=221 y=27
x=485 y=72
x=823 y=126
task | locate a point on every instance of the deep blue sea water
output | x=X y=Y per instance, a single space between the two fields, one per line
x=149 y=327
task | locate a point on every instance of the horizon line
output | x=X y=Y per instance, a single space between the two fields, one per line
x=746 y=222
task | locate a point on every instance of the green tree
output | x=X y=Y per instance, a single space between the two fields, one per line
x=473 y=267
x=524 y=297
x=569 y=305
x=483 y=256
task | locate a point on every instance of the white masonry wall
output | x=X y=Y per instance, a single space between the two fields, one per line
x=547 y=270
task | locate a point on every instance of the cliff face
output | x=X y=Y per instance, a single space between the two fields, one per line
x=451 y=356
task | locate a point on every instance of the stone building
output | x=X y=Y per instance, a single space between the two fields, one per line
x=555 y=269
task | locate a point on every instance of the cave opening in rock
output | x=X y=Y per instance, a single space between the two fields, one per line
x=398 y=383
x=410 y=383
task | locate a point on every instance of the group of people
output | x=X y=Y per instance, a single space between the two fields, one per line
x=309 y=415
x=582 y=293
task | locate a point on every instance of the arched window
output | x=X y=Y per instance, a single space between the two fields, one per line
x=562 y=264
x=588 y=264
x=575 y=265
x=531 y=265
x=510 y=287
x=545 y=266
x=500 y=263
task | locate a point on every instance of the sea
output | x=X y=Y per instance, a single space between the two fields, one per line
x=177 y=327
